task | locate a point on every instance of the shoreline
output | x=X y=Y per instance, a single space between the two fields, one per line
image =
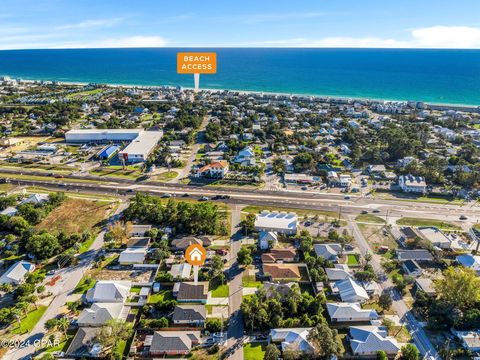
x=453 y=106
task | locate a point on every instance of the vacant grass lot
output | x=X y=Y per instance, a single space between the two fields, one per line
x=428 y=222
x=221 y=291
x=254 y=351
x=28 y=322
x=76 y=215
x=162 y=295
x=165 y=176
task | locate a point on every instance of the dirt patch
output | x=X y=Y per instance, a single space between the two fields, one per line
x=132 y=275
x=377 y=236
x=76 y=215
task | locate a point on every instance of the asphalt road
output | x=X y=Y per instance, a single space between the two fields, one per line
x=417 y=332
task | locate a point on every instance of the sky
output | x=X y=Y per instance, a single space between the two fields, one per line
x=34 y=24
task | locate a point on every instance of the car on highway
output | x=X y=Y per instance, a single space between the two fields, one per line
x=166 y=195
x=376 y=211
x=185 y=195
x=346 y=197
x=463 y=217
x=203 y=198
x=364 y=212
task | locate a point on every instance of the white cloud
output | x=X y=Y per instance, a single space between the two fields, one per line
x=123 y=42
x=92 y=23
x=442 y=37
x=447 y=37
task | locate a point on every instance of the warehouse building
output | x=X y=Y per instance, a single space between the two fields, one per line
x=142 y=143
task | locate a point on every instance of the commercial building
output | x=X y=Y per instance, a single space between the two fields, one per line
x=280 y=222
x=142 y=143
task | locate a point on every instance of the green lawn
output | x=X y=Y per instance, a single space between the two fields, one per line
x=221 y=291
x=85 y=284
x=352 y=259
x=160 y=296
x=28 y=322
x=86 y=245
x=167 y=175
x=249 y=281
x=428 y=222
x=369 y=218
x=254 y=351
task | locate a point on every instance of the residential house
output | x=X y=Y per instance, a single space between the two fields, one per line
x=181 y=271
x=246 y=157
x=286 y=272
x=470 y=261
x=109 y=291
x=417 y=255
x=272 y=289
x=425 y=285
x=99 y=313
x=339 y=272
x=139 y=230
x=410 y=183
x=84 y=346
x=280 y=222
x=412 y=268
x=17 y=272
x=35 y=199
x=265 y=238
x=134 y=255
x=184 y=242
x=470 y=339
x=9 y=211
x=369 y=340
x=295 y=339
x=189 y=315
x=330 y=252
x=216 y=169
x=172 y=343
x=280 y=255
x=350 y=291
x=189 y=292
x=349 y=312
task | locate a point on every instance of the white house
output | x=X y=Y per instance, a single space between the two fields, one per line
x=245 y=157
x=350 y=291
x=132 y=256
x=265 y=238
x=280 y=222
x=368 y=340
x=350 y=312
x=35 y=199
x=217 y=169
x=410 y=183
x=99 y=313
x=339 y=272
x=330 y=252
x=109 y=291
x=17 y=272
x=182 y=271
x=9 y=211
x=292 y=339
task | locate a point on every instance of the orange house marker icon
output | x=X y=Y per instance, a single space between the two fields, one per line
x=196 y=255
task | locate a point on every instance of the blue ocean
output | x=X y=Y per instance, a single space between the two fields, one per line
x=436 y=76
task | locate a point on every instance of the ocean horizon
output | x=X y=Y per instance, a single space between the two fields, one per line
x=429 y=75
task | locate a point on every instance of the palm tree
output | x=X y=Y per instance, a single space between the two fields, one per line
x=63 y=324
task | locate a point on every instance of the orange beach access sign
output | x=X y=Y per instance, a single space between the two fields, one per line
x=197 y=63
